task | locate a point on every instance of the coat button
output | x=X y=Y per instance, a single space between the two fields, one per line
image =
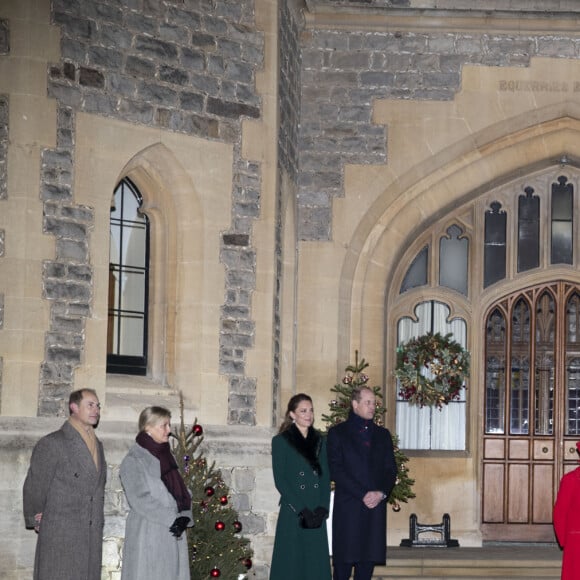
x=301 y=474
x=315 y=486
x=302 y=486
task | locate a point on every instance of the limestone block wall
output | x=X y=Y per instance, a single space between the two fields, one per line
x=386 y=114
x=242 y=455
x=176 y=68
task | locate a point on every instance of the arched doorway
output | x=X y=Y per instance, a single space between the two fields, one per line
x=531 y=408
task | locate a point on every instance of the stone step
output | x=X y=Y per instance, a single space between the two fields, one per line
x=501 y=562
x=126 y=396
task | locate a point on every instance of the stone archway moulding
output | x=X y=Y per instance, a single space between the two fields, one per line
x=383 y=234
x=169 y=193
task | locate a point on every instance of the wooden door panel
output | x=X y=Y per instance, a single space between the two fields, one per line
x=531 y=409
x=518 y=498
x=519 y=449
x=493 y=496
x=570 y=453
x=543 y=494
x=494 y=449
x=544 y=449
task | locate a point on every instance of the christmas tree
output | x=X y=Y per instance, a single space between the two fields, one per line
x=339 y=410
x=216 y=547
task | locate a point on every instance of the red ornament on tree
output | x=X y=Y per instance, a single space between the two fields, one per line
x=248 y=563
x=219 y=526
x=215 y=573
x=237 y=526
x=197 y=430
x=224 y=499
x=209 y=491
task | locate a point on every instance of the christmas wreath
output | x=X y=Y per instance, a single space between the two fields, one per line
x=431 y=370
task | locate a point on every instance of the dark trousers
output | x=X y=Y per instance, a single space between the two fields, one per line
x=362 y=570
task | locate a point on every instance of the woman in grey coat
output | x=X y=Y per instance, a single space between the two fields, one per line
x=159 y=502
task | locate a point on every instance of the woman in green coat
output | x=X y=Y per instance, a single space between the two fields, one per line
x=300 y=466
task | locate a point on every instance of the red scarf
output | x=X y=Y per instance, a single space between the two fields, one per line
x=169 y=472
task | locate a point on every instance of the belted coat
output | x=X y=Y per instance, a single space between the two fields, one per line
x=64 y=485
x=298 y=552
x=567 y=524
x=358 y=465
x=150 y=550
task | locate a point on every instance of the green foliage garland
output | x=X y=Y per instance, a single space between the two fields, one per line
x=339 y=410
x=431 y=370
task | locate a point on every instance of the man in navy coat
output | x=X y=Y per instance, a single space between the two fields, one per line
x=362 y=465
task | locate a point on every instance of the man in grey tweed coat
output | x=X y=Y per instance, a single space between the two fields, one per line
x=64 y=493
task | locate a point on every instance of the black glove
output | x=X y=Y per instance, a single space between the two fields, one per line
x=310 y=520
x=179 y=526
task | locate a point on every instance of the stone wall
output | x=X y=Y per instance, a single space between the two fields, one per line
x=289 y=57
x=345 y=71
x=242 y=454
x=4 y=135
x=441 y=5
x=180 y=67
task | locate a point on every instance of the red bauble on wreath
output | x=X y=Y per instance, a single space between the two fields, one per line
x=215 y=573
x=219 y=526
x=197 y=430
x=237 y=526
x=209 y=491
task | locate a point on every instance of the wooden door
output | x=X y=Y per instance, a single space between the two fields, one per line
x=532 y=402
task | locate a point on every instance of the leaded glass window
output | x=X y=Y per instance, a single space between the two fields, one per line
x=494 y=245
x=522 y=329
x=520 y=369
x=562 y=222
x=416 y=275
x=428 y=427
x=572 y=375
x=544 y=365
x=495 y=349
x=454 y=260
x=528 y=230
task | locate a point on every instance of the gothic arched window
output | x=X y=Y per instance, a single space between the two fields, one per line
x=128 y=283
x=430 y=427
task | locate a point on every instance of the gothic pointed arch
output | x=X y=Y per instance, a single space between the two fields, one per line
x=176 y=253
x=370 y=278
